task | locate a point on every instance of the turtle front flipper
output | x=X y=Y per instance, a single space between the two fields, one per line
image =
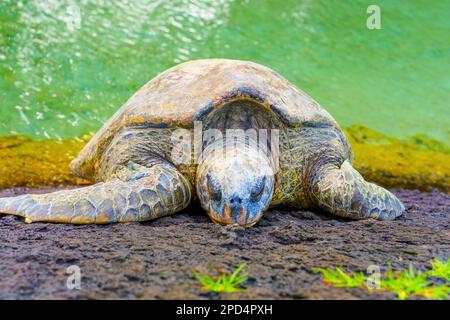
x=135 y=193
x=344 y=192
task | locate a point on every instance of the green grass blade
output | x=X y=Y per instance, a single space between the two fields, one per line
x=225 y=282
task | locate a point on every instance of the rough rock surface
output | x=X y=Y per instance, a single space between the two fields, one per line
x=155 y=260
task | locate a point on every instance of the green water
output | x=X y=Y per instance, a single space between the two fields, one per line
x=67 y=65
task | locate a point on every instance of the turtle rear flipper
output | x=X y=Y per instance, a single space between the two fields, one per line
x=135 y=193
x=344 y=192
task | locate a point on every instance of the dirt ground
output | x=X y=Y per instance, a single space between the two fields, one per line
x=156 y=259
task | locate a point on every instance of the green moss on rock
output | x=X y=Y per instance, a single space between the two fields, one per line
x=28 y=163
x=419 y=163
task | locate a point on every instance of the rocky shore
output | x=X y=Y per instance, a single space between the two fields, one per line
x=156 y=259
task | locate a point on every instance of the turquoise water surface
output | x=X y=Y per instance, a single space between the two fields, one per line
x=67 y=65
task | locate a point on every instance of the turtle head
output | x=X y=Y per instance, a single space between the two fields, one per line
x=235 y=187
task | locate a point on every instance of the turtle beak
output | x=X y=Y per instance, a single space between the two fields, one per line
x=227 y=213
x=223 y=218
x=231 y=215
x=240 y=216
x=235 y=214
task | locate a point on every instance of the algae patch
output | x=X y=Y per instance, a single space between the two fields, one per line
x=419 y=163
x=28 y=163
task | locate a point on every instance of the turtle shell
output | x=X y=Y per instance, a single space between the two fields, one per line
x=190 y=91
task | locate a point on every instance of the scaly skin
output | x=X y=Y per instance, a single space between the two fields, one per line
x=134 y=193
x=317 y=172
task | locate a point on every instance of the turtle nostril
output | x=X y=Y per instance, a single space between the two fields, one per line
x=236 y=200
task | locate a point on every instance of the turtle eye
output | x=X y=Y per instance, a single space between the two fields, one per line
x=213 y=189
x=258 y=189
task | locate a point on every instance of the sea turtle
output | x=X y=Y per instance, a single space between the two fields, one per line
x=306 y=162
